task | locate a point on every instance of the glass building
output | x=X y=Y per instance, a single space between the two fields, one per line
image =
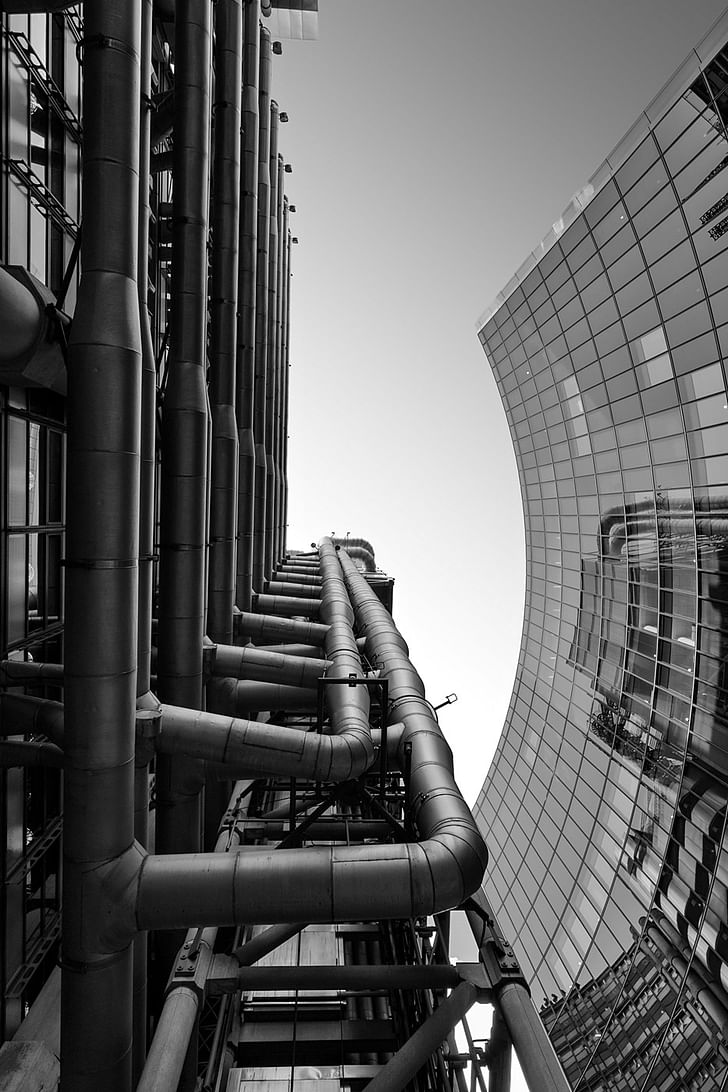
x=605 y=806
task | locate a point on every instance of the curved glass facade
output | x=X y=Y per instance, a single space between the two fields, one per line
x=605 y=806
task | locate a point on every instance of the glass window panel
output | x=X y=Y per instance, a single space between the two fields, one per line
x=709 y=441
x=695 y=354
x=719 y=307
x=661 y=205
x=641 y=320
x=610 y=224
x=17 y=472
x=650 y=183
x=664 y=237
x=654 y=371
x=626 y=268
x=634 y=294
x=659 y=398
x=637 y=164
x=677 y=120
x=689 y=324
x=603 y=316
x=649 y=345
x=618 y=245
x=17 y=575
x=682 y=295
x=673 y=266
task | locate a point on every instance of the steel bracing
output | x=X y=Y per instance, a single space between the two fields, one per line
x=262 y=836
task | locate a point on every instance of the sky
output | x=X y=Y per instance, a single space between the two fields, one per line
x=433 y=144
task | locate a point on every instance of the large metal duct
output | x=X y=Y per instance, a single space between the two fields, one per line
x=183 y=488
x=288 y=606
x=102 y=547
x=30 y=351
x=261 y=312
x=263 y=628
x=238 y=698
x=223 y=318
x=247 y=307
x=246 y=662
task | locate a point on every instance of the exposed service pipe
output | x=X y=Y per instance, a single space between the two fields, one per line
x=269 y=627
x=238 y=698
x=183 y=488
x=285 y=371
x=23 y=320
x=223 y=318
x=246 y=662
x=280 y=420
x=247 y=307
x=261 y=312
x=102 y=549
x=271 y=389
x=287 y=606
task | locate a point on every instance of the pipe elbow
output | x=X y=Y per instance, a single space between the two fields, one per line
x=457 y=862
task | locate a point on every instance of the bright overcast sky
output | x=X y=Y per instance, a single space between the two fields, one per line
x=433 y=144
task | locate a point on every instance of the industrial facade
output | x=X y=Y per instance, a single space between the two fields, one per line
x=233 y=837
x=605 y=806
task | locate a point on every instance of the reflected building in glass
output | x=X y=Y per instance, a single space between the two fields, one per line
x=605 y=806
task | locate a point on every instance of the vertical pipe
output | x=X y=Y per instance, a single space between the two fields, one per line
x=104 y=410
x=261 y=311
x=183 y=514
x=278 y=413
x=271 y=377
x=146 y=520
x=247 y=307
x=285 y=371
x=223 y=308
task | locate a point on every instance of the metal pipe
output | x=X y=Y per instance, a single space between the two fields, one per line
x=183 y=489
x=22 y=672
x=265 y=942
x=285 y=367
x=499 y=1055
x=246 y=662
x=386 y=977
x=178 y=1019
x=20 y=713
x=287 y=587
x=261 y=311
x=33 y=753
x=177 y=1023
x=284 y=577
x=262 y=628
x=236 y=698
x=149 y=372
x=270 y=627
x=247 y=306
x=536 y=1056
x=271 y=344
x=257 y=748
x=102 y=546
x=287 y=606
x=23 y=320
x=223 y=318
x=280 y=421
x=146 y=520
x=428 y=1038
x=348 y=705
